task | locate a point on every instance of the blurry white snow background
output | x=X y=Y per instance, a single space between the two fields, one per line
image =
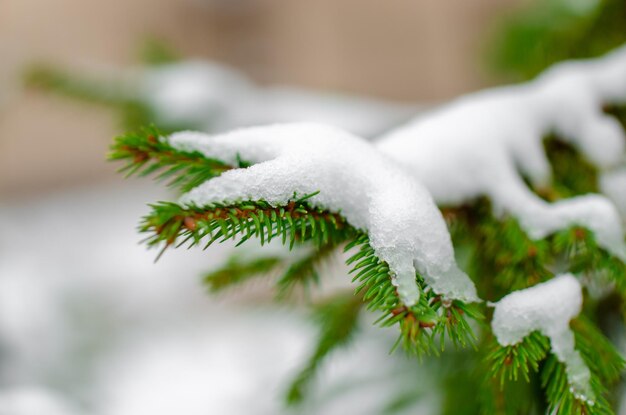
x=89 y=324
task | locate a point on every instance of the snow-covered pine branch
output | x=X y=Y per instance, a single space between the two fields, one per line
x=484 y=144
x=293 y=180
x=312 y=183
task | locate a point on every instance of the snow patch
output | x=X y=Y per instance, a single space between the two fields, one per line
x=547 y=308
x=479 y=144
x=404 y=225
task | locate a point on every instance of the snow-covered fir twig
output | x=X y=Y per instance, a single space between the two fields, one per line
x=547 y=308
x=308 y=183
x=484 y=144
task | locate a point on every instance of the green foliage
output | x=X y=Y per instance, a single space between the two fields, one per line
x=469 y=389
x=145 y=154
x=425 y=325
x=338 y=320
x=499 y=248
x=304 y=272
x=531 y=355
x=170 y=223
x=500 y=257
x=156 y=51
x=507 y=363
x=133 y=112
x=237 y=271
x=585 y=257
x=572 y=175
x=549 y=31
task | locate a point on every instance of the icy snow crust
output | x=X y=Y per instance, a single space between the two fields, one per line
x=404 y=225
x=548 y=308
x=476 y=145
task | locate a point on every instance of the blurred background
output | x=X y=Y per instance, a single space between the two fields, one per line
x=88 y=324
x=407 y=50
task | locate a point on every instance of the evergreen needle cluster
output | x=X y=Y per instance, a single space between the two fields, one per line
x=498 y=255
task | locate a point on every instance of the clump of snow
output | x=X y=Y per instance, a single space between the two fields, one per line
x=405 y=227
x=547 y=308
x=479 y=145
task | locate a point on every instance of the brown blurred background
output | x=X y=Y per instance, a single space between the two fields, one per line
x=410 y=50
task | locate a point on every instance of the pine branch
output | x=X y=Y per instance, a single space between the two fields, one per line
x=56 y=80
x=584 y=256
x=297 y=222
x=304 y=272
x=468 y=390
x=145 y=153
x=237 y=271
x=507 y=363
x=133 y=112
x=421 y=324
x=526 y=357
x=170 y=224
x=572 y=174
x=499 y=248
x=338 y=320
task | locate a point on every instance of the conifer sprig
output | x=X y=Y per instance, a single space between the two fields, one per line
x=302 y=273
x=500 y=247
x=425 y=325
x=145 y=153
x=497 y=247
x=508 y=363
x=133 y=112
x=237 y=271
x=170 y=224
x=585 y=257
x=297 y=222
x=337 y=319
x=532 y=355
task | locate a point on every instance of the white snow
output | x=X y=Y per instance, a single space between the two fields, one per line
x=548 y=308
x=126 y=336
x=405 y=227
x=33 y=401
x=479 y=144
x=613 y=185
x=195 y=93
x=216 y=98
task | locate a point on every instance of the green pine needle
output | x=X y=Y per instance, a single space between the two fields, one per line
x=338 y=321
x=304 y=272
x=507 y=363
x=237 y=271
x=145 y=153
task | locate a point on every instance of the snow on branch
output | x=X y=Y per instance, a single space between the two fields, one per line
x=548 y=308
x=315 y=184
x=484 y=144
x=348 y=176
